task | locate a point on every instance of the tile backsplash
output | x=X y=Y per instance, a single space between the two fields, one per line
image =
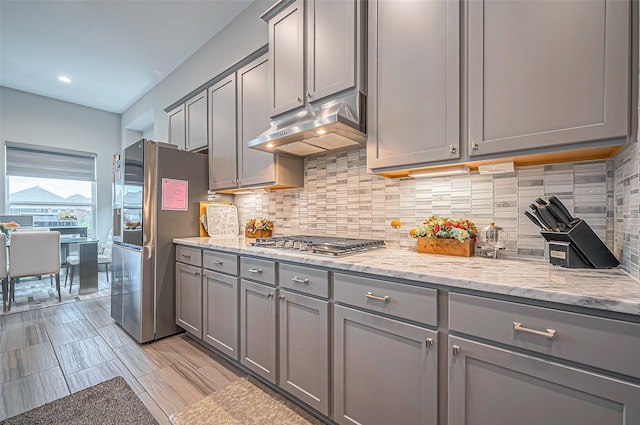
x=341 y=199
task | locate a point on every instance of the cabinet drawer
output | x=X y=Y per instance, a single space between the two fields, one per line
x=406 y=301
x=189 y=255
x=304 y=279
x=260 y=270
x=220 y=262
x=603 y=343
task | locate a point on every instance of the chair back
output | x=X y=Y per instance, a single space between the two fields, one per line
x=34 y=254
x=3 y=256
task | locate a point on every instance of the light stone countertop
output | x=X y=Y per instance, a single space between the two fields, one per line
x=603 y=289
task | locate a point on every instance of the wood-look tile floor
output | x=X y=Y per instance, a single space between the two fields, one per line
x=51 y=352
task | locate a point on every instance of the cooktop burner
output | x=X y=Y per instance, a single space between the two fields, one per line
x=319 y=244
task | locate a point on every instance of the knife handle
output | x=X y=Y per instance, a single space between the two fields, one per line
x=534 y=220
x=558 y=214
x=535 y=211
x=548 y=218
x=541 y=201
x=555 y=201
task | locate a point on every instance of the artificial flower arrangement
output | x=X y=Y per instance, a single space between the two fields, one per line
x=255 y=224
x=7 y=227
x=445 y=228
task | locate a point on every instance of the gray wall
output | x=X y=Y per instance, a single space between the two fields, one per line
x=37 y=120
x=243 y=36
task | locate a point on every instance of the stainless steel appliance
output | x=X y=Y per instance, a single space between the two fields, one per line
x=325 y=245
x=156 y=194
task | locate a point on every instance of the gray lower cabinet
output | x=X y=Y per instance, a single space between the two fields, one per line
x=546 y=73
x=304 y=349
x=258 y=328
x=385 y=371
x=189 y=298
x=220 y=312
x=413 y=109
x=490 y=385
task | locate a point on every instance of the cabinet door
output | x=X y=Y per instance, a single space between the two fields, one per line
x=489 y=385
x=196 y=119
x=546 y=73
x=189 y=298
x=254 y=166
x=222 y=132
x=414 y=87
x=286 y=59
x=220 y=312
x=304 y=349
x=385 y=371
x=177 y=132
x=331 y=47
x=258 y=328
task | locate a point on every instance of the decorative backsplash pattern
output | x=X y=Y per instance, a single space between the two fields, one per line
x=341 y=199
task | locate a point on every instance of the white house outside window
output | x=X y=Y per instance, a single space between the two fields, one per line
x=56 y=187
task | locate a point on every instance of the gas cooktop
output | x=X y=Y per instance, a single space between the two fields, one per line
x=325 y=245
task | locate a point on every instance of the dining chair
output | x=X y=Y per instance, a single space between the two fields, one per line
x=33 y=254
x=3 y=269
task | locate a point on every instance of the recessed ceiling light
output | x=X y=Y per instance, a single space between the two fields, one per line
x=64 y=79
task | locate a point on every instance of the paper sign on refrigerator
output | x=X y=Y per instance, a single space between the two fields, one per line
x=175 y=195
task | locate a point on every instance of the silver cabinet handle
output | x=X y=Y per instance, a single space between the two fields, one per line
x=371 y=296
x=217 y=262
x=309 y=95
x=281 y=297
x=298 y=280
x=455 y=350
x=549 y=334
x=270 y=295
x=185 y=256
x=299 y=99
x=252 y=270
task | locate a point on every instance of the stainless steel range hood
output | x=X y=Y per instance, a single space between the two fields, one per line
x=331 y=125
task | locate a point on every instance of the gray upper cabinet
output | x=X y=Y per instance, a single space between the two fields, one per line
x=177 y=131
x=331 y=47
x=490 y=385
x=222 y=134
x=286 y=54
x=238 y=112
x=196 y=122
x=546 y=73
x=414 y=86
x=313 y=48
x=254 y=166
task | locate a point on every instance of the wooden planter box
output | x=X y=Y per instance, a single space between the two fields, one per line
x=446 y=246
x=258 y=233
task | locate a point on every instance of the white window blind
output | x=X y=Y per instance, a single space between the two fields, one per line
x=34 y=161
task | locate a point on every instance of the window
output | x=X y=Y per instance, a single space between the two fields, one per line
x=56 y=187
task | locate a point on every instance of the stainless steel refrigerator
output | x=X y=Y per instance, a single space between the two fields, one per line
x=156 y=194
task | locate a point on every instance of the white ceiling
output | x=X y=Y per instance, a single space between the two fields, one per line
x=114 y=50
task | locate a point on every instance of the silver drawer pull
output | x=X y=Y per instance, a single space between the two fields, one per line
x=270 y=295
x=217 y=262
x=252 y=270
x=371 y=296
x=297 y=279
x=549 y=334
x=185 y=256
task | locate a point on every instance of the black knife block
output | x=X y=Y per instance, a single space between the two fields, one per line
x=579 y=247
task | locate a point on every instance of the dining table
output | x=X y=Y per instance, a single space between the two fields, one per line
x=87 y=269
